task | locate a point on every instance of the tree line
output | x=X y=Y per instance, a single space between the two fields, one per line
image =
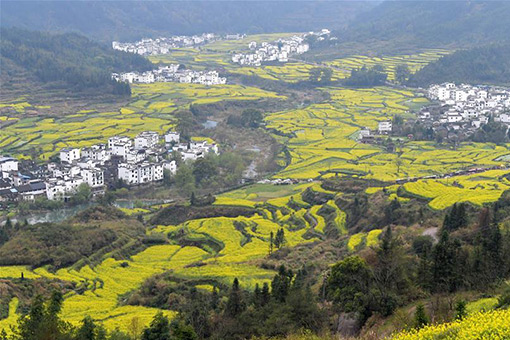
x=69 y=59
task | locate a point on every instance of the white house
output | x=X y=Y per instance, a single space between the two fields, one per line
x=385 y=127
x=68 y=155
x=63 y=188
x=172 y=137
x=134 y=174
x=119 y=140
x=170 y=166
x=93 y=177
x=146 y=140
x=135 y=156
x=96 y=152
x=32 y=190
x=8 y=164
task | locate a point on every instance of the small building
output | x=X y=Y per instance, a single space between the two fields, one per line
x=146 y=140
x=172 y=137
x=385 y=127
x=8 y=164
x=32 y=190
x=68 y=155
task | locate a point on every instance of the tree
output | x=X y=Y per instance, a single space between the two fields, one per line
x=204 y=169
x=402 y=73
x=348 y=285
x=281 y=284
x=185 y=123
x=82 y=195
x=90 y=331
x=399 y=162
x=320 y=75
x=460 y=310
x=279 y=240
x=4 y=236
x=235 y=304
x=184 y=179
x=389 y=278
x=271 y=242
x=181 y=331
x=134 y=328
x=42 y=321
x=420 y=316
x=252 y=118
x=159 y=328
x=445 y=264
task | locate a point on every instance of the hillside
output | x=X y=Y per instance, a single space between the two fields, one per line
x=110 y=20
x=483 y=65
x=70 y=61
x=432 y=23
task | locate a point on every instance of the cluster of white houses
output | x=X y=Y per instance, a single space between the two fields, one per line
x=164 y=45
x=134 y=161
x=277 y=51
x=172 y=73
x=468 y=106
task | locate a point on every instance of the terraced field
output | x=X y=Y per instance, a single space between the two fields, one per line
x=225 y=248
x=321 y=139
x=151 y=108
x=389 y=63
x=78 y=130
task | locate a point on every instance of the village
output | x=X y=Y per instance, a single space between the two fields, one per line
x=467 y=107
x=172 y=73
x=164 y=45
x=138 y=161
x=278 y=51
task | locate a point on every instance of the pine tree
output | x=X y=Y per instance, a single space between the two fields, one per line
x=460 y=310
x=256 y=296
x=271 y=243
x=420 y=316
x=235 y=305
x=87 y=330
x=159 y=328
x=281 y=284
x=4 y=236
x=265 y=295
x=8 y=224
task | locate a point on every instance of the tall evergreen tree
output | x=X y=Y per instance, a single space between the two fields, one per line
x=159 y=328
x=235 y=304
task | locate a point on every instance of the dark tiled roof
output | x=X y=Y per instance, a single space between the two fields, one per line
x=31 y=187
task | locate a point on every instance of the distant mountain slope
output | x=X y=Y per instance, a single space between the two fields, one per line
x=433 y=23
x=128 y=20
x=483 y=65
x=71 y=61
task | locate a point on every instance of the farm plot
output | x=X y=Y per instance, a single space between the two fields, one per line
x=476 y=189
x=48 y=135
x=415 y=62
x=184 y=94
x=223 y=248
x=151 y=108
x=289 y=72
x=321 y=140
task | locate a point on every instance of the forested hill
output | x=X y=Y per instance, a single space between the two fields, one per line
x=483 y=65
x=432 y=23
x=71 y=61
x=129 y=20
